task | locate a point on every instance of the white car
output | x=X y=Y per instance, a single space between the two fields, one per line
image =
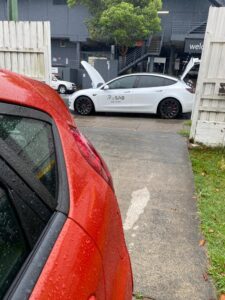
x=138 y=93
x=62 y=86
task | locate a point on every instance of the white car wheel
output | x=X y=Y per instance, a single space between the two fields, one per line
x=169 y=108
x=62 y=89
x=84 y=105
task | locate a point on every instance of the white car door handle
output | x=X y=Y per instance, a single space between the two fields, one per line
x=158 y=91
x=127 y=92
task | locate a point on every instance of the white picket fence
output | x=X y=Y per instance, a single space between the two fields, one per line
x=208 y=118
x=25 y=48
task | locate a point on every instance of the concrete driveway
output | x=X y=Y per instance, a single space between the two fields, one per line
x=153 y=180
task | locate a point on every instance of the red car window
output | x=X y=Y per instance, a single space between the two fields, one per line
x=26 y=144
x=13 y=246
x=32 y=141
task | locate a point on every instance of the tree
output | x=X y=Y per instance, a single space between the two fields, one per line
x=121 y=22
x=94 y=6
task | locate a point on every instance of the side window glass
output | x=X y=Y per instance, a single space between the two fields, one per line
x=123 y=83
x=168 y=81
x=59 y=2
x=13 y=246
x=150 y=81
x=32 y=141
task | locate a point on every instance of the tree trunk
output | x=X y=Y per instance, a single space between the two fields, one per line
x=123 y=52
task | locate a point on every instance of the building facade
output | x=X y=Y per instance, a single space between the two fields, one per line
x=183 y=29
x=182 y=35
x=68 y=30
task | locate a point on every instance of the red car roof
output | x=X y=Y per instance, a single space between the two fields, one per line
x=21 y=90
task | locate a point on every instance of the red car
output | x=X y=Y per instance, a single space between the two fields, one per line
x=61 y=233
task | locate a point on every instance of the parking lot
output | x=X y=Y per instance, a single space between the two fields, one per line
x=153 y=180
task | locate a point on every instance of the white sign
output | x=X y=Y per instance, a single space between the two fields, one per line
x=55 y=70
x=160 y=60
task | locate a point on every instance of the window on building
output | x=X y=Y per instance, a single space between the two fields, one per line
x=59 y=2
x=62 y=43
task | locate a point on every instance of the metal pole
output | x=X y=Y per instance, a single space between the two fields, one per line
x=13 y=10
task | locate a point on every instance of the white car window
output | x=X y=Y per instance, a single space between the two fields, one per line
x=123 y=83
x=146 y=81
x=54 y=78
x=168 y=81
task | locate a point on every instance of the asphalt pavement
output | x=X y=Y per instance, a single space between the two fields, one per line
x=153 y=180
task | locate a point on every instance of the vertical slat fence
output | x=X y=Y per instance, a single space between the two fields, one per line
x=25 y=48
x=208 y=118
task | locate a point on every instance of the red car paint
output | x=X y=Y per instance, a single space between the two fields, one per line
x=89 y=259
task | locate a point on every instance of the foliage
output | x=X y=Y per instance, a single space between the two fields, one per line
x=139 y=296
x=209 y=171
x=94 y=6
x=188 y=123
x=121 y=22
x=184 y=133
x=124 y=23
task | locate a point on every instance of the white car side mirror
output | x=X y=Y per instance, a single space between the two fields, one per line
x=106 y=87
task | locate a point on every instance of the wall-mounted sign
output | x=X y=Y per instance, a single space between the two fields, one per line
x=193 y=46
x=160 y=60
x=55 y=70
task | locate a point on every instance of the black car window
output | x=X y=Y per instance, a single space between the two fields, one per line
x=32 y=141
x=168 y=81
x=32 y=212
x=123 y=83
x=146 y=81
x=13 y=246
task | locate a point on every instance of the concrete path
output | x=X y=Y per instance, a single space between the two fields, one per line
x=154 y=184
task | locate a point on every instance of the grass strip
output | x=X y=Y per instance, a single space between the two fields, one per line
x=184 y=132
x=209 y=172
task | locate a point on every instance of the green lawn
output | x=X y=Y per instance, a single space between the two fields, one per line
x=209 y=171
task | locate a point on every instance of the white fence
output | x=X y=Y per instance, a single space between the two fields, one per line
x=208 y=119
x=25 y=48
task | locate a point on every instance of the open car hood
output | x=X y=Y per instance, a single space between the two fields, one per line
x=193 y=61
x=95 y=77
